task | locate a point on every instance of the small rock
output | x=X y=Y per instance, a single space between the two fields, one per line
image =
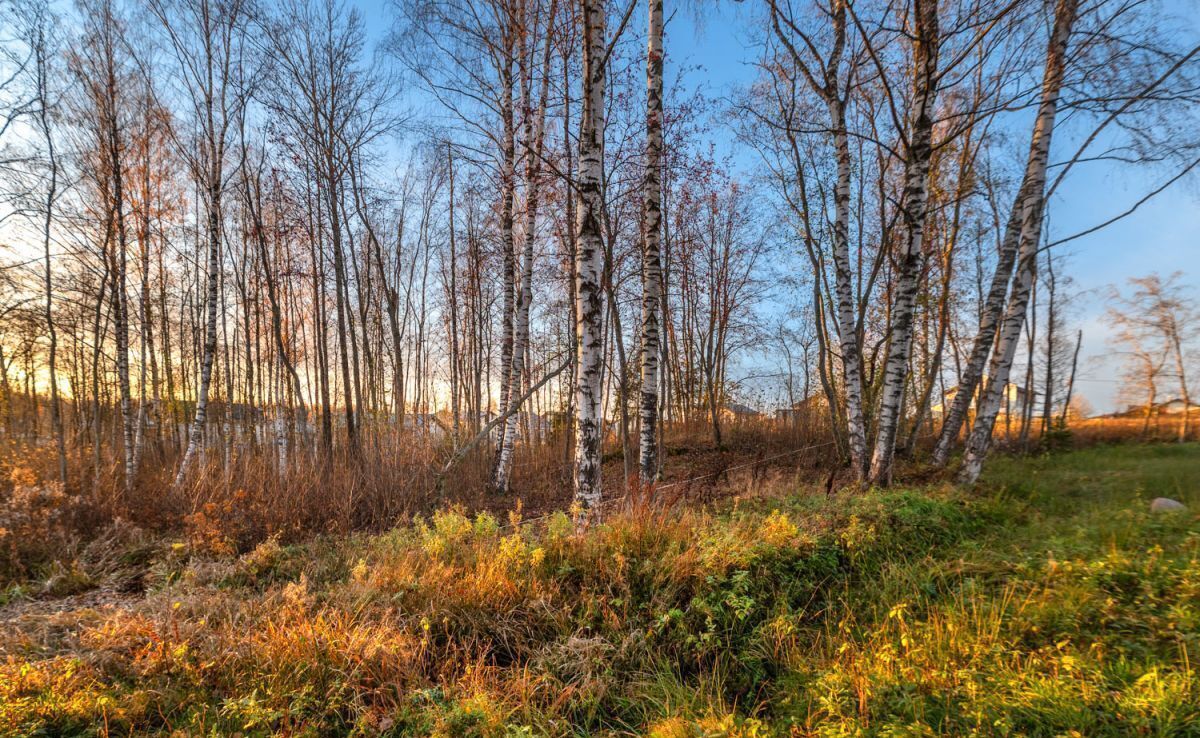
x=1166 y=504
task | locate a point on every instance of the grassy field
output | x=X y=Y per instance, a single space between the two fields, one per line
x=1047 y=602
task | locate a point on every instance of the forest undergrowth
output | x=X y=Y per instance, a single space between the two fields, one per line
x=1046 y=601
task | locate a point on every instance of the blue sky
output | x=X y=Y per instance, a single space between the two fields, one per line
x=715 y=43
x=1161 y=236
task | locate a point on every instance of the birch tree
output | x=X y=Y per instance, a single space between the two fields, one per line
x=651 y=247
x=918 y=140
x=589 y=305
x=100 y=69
x=533 y=114
x=825 y=75
x=1030 y=205
x=993 y=304
x=206 y=39
x=334 y=108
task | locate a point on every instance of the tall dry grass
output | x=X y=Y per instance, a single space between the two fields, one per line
x=241 y=494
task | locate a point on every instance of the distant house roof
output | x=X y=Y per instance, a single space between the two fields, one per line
x=736 y=408
x=1172 y=406
x=1014 y=393
x=808 y=404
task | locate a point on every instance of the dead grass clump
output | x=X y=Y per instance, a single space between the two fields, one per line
x=36 y=519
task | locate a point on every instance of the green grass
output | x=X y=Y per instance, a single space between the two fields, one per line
x=1074 y=612
x=1046 y=602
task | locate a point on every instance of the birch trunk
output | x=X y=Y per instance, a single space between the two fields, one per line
x=120 y=294
x=206 y=42
x=144 y=338
x=341 y=301
x=934 y=370
x=254 y=206
x=1151 y=400
x=164 y=333
x=508 y=156
x=534 y=134
x=252 y=183
x=1051 y=319
x=589 y=328
x=1031 y=208
x=916 y=193
x=196 y=434
x=847 y=322
x=452 y=307
x=995 y=305
x=988 y=323
x=829 y=87
x=147 y=411
x=56 y=424
x=5 y=393
x=651 y=246
x=1030 y=351
x=1000 y=367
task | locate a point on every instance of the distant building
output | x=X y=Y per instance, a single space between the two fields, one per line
x=738 y=411
x=1013 y=401
x=425 y=423
x=813 y=406
x=1173 y=407
x=1169 y=407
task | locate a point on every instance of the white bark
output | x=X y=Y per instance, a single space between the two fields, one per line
x=120 y=293
x=452 y=309
x=652 y=246
x=1031 y=207
x=281 y=442
x=915 y=206
x=196 y=433
x=847 y=322
x=508 y=158
x=589 y=328
x=534 y=134
x=1181 y=371
x=207 y=47
x=989 y=321
x=829 y=86
x=486 y=430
